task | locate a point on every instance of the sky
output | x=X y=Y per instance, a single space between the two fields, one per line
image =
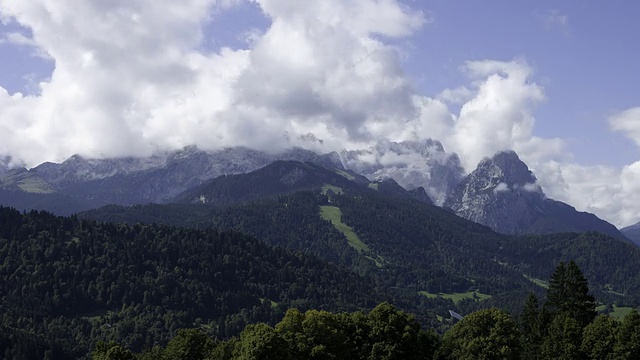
x=554 y=81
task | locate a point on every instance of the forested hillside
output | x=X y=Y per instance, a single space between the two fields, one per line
x=414 y=246
x=66 y=283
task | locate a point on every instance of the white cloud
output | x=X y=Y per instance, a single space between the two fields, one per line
x=499 y=116
x=131 y=77
x=555 y=20
x=628 y=123
x=501 y=187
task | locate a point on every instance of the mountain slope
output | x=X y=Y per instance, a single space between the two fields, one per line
x=281 y=177
x=276 y=178
x=503 y=194
x=413 y=246
x=632 y=232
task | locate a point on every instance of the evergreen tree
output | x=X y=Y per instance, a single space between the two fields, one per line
x=532 y=326
x=569 y=293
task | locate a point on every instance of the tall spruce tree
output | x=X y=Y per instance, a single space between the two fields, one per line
x=532 y=326
x=568 y=293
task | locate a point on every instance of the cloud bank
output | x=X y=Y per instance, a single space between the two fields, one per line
x=133 y=77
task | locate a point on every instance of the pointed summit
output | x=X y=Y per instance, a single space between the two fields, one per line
x=507 y=167
x=502 y=193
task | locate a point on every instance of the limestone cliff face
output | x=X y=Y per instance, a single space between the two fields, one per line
x=502 y=193
x=411 y=164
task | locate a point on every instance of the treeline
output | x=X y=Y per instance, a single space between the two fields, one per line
x=564 y=327
x=383 y=333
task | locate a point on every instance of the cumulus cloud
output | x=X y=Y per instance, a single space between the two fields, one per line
x=131 y=77
x=628 y=123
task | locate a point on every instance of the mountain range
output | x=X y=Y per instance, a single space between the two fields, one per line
x=501 y=193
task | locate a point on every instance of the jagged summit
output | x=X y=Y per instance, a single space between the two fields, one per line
x=502 y=193
x=411 y=164
x=512 y=170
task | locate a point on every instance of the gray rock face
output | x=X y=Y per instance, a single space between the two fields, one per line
x=411 y=164
x=502 y=193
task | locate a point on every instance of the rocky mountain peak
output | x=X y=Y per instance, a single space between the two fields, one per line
x=505 y=167
x=423 y=163
x=502 y=193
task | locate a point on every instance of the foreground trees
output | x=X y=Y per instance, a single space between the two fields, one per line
x=385 y=334
x=484 y=335
x=561 y=328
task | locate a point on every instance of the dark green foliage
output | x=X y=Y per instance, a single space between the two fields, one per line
x=563 y=339
x=67 y=283
x=599 y=338
x=188 y=344
x=279 y=177
x=532 y=325
x=384 y=334
x=424 y=247
x=483 y=335
x=569 y=293
x=111 y=351
x=260 y=341
x=628 y=338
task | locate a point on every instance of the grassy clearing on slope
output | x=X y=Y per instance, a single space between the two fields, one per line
x=457 y=297
x=618 y=312
x=28 y=184
x=345 y=174
x=538 y=282
x=333 y=214
x=334 y=189
x=611 y=291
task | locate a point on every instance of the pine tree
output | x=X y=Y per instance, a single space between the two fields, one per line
x=568 y=293
x=532 y=326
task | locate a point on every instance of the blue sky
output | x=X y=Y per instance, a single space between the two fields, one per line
x=583 y=53
x=555 y=81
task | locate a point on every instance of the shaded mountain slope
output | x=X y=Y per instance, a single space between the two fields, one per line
x=632 y=232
